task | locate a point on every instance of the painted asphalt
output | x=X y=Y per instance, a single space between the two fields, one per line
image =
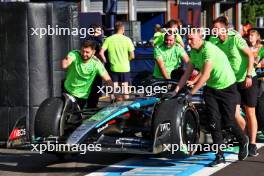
x=196 y=165
x=20 y=163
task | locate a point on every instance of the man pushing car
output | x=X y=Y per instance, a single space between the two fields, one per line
x=219 y=93
x=83 y=67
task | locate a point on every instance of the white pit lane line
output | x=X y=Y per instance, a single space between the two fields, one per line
x=205 y=171
x=107 y=170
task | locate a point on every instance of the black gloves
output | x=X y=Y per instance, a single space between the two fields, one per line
x=182 y=97
x=187 y=98
x=169 y=95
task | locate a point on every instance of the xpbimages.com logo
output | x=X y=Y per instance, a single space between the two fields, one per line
x=184 y=31
x=78 y=148
x=187 y=148
x=49 y=30
x=84 y=32
x=148 y=90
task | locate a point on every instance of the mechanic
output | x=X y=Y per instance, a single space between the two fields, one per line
x=257 y=48
x=254 y=42
x=120 y=51
x=157 y=38
x=168 y=57
x=219 y=93
x=83 y=67
x=93 y=99
x=242 y=62
x=172 y=25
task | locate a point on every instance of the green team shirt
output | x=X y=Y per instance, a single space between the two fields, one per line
x=222 y=75
x=261 y=53
x=213 y=39
x=118 y=47
x=170 y=56
x=160 y=39
x=80 y=75
x=232 y=47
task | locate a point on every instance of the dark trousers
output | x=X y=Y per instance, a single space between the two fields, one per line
x=260 y=111
x=94 y=96
x=80 y=101
x=221 y=106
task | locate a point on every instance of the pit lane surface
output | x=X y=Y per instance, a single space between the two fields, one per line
x=196 y=166
x=20 y=163
x=253 y=166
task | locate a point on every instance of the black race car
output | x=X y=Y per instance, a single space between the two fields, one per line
x=143 y=124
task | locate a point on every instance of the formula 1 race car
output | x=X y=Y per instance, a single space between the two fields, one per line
x=142 y=125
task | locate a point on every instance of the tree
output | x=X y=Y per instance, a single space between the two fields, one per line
x=252 y=9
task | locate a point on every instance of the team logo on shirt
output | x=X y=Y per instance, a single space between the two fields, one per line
x=89 y=69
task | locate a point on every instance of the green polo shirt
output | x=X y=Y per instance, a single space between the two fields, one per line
x=213 y=39
x=118 y=47
x=158 y=38
x=170 y=56
x=222 y=75
x=80 y=75
x=261 y=53
x=233 y=47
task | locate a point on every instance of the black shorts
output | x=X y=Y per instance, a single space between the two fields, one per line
x=120 y=76
x=248 y=97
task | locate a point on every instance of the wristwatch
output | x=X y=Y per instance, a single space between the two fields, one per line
x=249 y=76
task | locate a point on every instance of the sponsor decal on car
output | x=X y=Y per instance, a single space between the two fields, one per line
x=102 y=128
x=17 y=133
x=164 y=127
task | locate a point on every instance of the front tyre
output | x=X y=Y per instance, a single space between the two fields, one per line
x=175 y=125
x=47 y=121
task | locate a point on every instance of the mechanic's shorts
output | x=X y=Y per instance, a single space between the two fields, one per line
x=248 y=97
x=120 y=76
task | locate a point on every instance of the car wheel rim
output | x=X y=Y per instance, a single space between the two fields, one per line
x=189 y=127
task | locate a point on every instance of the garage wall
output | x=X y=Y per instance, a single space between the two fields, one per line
x=29 y=65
